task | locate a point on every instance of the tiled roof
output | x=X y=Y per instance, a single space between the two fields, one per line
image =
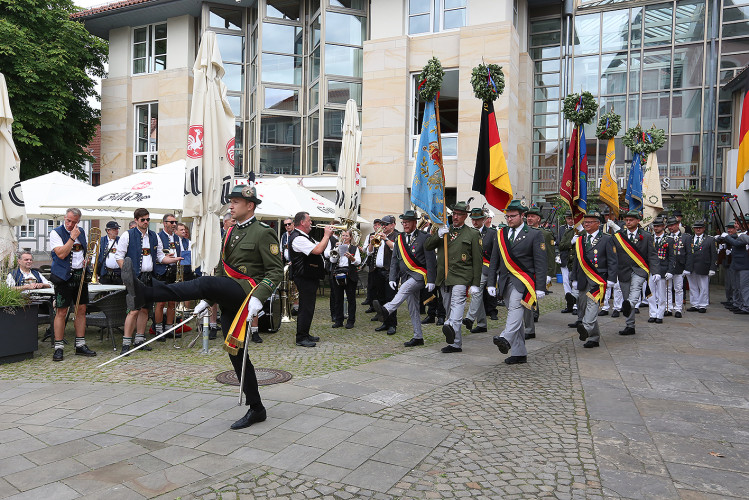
x=108 y=7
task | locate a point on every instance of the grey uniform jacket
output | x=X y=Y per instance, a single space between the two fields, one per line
x=680 y=245
x=424 y=258
x=528 y=250
x=739 y=253
x=602 y=255
x=702 y=258
x=644 y=246
x=488 y=242
x=665 y=254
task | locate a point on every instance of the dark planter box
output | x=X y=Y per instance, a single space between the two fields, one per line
x=18 y=333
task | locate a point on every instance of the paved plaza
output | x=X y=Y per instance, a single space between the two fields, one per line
x=663 y=414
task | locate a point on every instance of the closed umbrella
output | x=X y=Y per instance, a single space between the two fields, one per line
x=210 y=154
x=348 y=191
x=12 y=211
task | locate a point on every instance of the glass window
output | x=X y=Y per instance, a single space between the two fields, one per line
x=615 y=30
x=734 y=45
x=546 y=134
x=541 y=93
x=281 y=99
x=282 y=38
x=547 y=66
x=616 y=103
x=633 y=110
x=586 y=74
x=690 y=21
x=553 y=38
x=234 y=77
x=658 y=20
x=283 y=9
x=448 y=102
x=546 y=107
x=731 y=13
x=587 y=28
x=455 y=18
x=343 y=61
x=688 y=65
x=333 y=128
x=280 y=160
x=280 y=129
x=315 y=64
x=314 y=95
x=685 y=154
x=315 y=31
x=312 y=159
x=146 y=135
x=348 y=4
x=282 y=69
x=341 y=92
x=655 y=110
x=636 y=22
x=235 y=102
x=331 y=153
x=426 y=16
x=313 y=127
x=344 y=28
x=686 y=111
x=418 y=24
x=543 y=79
x=229 y=19
x=613 y=74
x=656 y=69
x=28 y=231
x=546 y=120
x=231 y=47
x=553 y=51
x=149 y=48
x=546 y=25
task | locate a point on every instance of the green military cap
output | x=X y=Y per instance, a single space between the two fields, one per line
x=461 y=206
x=249 y=193
x=605 y=210
x=659 y=221
x=633 y=213
x=568 y=213
x=518 y=205
x=593 y=214
x=409 y=215
x=477 y=213
x=699 y=223
x=677 y=213
x=731 y=224
x=500 y=226
x=533 y=211
x=671 y=221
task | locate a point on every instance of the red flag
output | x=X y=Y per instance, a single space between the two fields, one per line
x=570 y=175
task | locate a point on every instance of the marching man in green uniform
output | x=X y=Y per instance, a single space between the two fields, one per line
x=463 y=271
x=520 y=260
x=249 y=271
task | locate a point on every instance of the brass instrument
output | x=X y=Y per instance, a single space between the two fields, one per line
x=423 y=222
x=334 y=254
x=180 y=273
x=92 y=250
x=289 y=294
x=350 y=226
x=377 y=238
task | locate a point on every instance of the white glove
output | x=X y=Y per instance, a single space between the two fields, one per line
x=474 y=290
x=202 y=306
x=612 y=225
x=393 y=285
x=558 y=259
x=724 y=235
x=711 y=273
x=574 y=239
x=656 y=277
x=540 y=294
x=254 y=307
x=430 y=287
x=443 y=230
x=548 y=280
x=492 y=291
x=610 y=284
x=669 y=276
x=728 y=251
x=686 y=273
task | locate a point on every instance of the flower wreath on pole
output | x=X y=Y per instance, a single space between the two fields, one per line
x=644 y=141
x=608 y=125
x=430 y=79
x=580 y=108
x=488 y=82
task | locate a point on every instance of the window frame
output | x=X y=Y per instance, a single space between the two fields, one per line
x=413 y=134
x=440 y=5
x=30 y=231
x=152 y=156
x=150 y=42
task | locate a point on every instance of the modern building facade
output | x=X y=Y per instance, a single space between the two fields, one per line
x=291 y=65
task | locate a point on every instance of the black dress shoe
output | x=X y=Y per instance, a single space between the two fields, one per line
x=449 y=333
x=637 y=310
x=84 y=351
x=677 y=314
x=667 y=313
x=413 y=342
x=615 y=314
x=535 y=319
x=212 y=333
x=501 y=303
x=566 y=310
x=440 y=321
x=125 y=349
x=391 y=330
x=590 y=343
x=478 y=329
x=57 y=355
x=306 y=343
x=741 y=311
x=651 y=320
x=574 y=325
x=702 y=310
x=529 y=336
x=627 y=331
x=376 y=318
x=251 y=417
x=337 y=325
x=692 y=309
x=312 y=338
x=381 y=328
x=427 y=320
x=494 y=317
x=349 y=326
x=448 y=349
x=582 y=333
x=516 y=360
x=369 y=310
x=502 y=344
x=626 y=308
x=467 y=323
x=658 y=321
x=256 y=338
x=144 y=348
x=603 y=313
x=382 y=313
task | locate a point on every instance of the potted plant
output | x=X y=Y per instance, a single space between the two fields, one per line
x=18 y=325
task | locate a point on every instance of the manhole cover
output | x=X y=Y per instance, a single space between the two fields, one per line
x=265 y=376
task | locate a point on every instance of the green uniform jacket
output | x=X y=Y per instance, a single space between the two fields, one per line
x=565 y=245
x=550 y=252
x=463 y=256
x=253 y=250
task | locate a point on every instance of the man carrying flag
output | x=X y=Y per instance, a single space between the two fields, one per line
x=428 y=188
x=491 y=178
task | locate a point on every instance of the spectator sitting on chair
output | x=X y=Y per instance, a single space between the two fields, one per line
x=24 y=277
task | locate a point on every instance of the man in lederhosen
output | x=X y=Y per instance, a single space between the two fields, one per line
x=521 y=263
x=249 y=271
x=415 y=268
x=702 y=261
x=596 y=268
x=106 y=266
x=664 y=270
x=488 y=238
x=166 y=273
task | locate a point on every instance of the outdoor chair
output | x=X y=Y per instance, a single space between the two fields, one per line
x=107 y=312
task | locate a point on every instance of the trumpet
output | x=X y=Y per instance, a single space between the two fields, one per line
x=423 y=222
x=377 y=238
x=350 y=227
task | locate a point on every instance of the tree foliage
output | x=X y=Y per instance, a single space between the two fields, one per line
x=48 y=61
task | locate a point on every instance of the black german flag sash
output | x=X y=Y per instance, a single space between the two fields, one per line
x=598 y=292
x=517 y=270
x=632 y=252
x=409 y=259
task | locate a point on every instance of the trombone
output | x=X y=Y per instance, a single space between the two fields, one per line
x=92 y=255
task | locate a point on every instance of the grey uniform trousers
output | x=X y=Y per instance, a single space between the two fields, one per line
x=476 y=311
x=590 y=317
x=632 y=291
x=514 y=331
x=410 y=290
x=454 y=300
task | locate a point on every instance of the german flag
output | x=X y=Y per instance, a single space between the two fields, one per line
x=743 y=164
x=491 y=178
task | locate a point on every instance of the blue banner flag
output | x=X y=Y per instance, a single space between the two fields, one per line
x=633 y=196
x=428 y=188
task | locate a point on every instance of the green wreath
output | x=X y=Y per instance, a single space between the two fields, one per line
x=644 y=141
x=430 y=79
x=482 y=87
x=609 y=124
x=583 y=115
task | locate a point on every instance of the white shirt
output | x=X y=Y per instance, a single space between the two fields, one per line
x=77 y=261
x=146 y=264
x=111 y=262
x=343 y=261
x=659 y=239
x=305 y=243
x=631 y=235
x=592 y=236
x=27 y=278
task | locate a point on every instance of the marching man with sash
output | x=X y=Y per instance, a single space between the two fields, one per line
x=520 y=259
x=416 y=268
x=596 y=271
x=250 y=269
x=637 y=256
x=476 y=310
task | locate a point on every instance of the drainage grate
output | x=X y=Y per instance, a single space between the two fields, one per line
x=265 y=376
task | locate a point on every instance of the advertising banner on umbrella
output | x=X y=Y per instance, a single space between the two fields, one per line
x=12 y=212
x=210 y=153
x=348 y=191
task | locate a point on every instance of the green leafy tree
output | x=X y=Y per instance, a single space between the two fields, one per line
x=689 y=206
x=48 y=61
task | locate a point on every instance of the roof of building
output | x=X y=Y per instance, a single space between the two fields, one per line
x=740 y=81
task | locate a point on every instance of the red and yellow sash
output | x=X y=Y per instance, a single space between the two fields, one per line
x=632 y=252
x=238 y=331
x=529 y=298
x=408 y=258
x=597 y=293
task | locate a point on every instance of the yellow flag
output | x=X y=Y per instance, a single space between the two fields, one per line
x=609 y=192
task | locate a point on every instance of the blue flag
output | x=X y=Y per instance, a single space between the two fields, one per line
x=633 y=195
x=428 y=188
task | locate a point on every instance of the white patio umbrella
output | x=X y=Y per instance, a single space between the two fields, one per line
x=348 y=191
x=12 y=212
x=210 y=154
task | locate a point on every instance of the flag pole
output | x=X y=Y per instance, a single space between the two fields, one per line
x=442 y=170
